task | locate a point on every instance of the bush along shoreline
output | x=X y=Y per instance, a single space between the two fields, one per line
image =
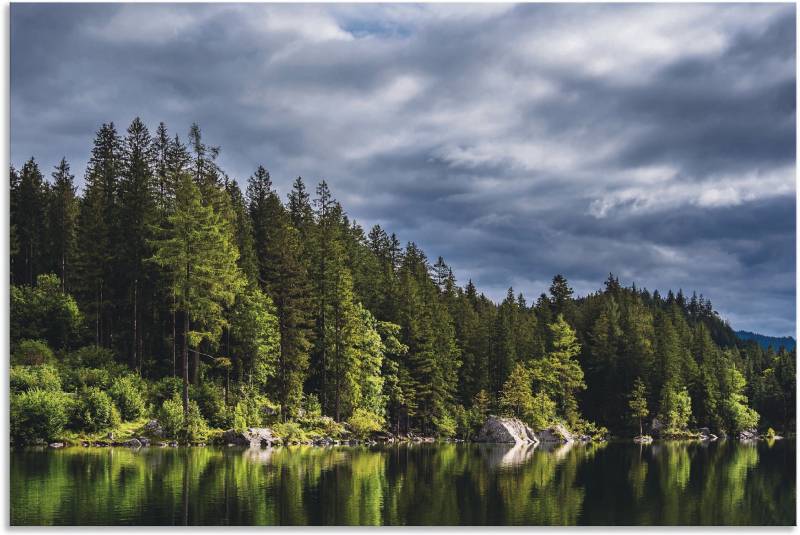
x=163 y=290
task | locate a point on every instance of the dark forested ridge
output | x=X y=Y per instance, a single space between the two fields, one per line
x=775 y=342
x=168 y=288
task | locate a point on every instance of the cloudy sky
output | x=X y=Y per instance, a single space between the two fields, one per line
x=656 y=142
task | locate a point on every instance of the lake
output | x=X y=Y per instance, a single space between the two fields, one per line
x=617 y=483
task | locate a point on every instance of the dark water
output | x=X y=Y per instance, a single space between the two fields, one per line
x=618 y=483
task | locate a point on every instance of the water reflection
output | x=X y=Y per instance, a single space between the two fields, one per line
x=662 y=483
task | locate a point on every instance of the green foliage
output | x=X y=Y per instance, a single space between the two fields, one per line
x=38 y=415
x=76 y=379
x=638 y=402
x=129 y=395
x=211 y=400
x=43 y=377
x=239 y=417
x=516 y=398
x=312 y=406
x=95 y=411
x=676 y=408
x=295 y=301
x=195 y=426
x=255 y=336
x=32 y=353
x=446 y=425
x=289 y=431
x=91 y=357
x=171 y=418
x=45 y=312
x=738 y=415
x=558 y=374
x=543 y=411
x=363 y=422
x=165 y=389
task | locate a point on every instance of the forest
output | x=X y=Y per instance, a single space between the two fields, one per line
x=165 y=289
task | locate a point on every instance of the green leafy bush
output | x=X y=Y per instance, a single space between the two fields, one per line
x=210 y=397
x=239 y=417
x=38 y=415
x=364 y=422
x=196 y=428
x=128 y=395
x=543 y=411
x=76 y=379
x=312 y=406
x=165 y=389
x=170 y=416
x=44 y=377
x=289 y=431
x=32 y=353
x=44 y=312
x=91 y=357
x=446 y=425
x=96 y=411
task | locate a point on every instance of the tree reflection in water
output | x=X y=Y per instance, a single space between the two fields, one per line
x=662 y=483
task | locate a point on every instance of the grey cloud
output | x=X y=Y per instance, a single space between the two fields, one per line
x=517 y=142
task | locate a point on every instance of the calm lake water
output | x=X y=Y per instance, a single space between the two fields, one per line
x=617 y=483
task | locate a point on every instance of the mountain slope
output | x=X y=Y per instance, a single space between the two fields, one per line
x=765 y=341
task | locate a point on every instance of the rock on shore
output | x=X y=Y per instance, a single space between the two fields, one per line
x=556 y=434
x=254 y=437
x=506 y=431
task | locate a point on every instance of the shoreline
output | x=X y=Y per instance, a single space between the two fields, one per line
x=160 y=444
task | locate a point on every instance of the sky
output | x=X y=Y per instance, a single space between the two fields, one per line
x=656 y=142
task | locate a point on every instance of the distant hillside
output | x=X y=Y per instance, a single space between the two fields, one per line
x=765 y=341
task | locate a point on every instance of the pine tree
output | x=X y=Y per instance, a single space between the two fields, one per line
x=136 y=217
x=200 y=259
x=28 y=219
x=62 y=224
x=98 y=231
x=637 y=402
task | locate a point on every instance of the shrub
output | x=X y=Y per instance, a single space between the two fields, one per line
x=91 y=357
x=126 y=391
x=38 y=415
x=445 y=425
x=239 y=417
x=364 y=422
x=165 y=389
x=32 y=353
x=543 y=411
x=44 y=312
x=211 y=400
x=24 y=378
x=171 y=417
x=76 y=379
x=96 y=411
x=312 y=406
x=771 y=433
x=289 y=431
x=591 y=429
x=196 y=428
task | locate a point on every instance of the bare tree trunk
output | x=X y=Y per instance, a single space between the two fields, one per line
x=185 y=362
x=174 y=334
x=135 y=352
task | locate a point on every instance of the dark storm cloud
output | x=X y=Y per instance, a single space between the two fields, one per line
x=655 y=141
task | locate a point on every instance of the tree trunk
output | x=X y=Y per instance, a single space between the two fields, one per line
x=134 y=349
x=174 y=334
x=185 y=362
x=195 y=366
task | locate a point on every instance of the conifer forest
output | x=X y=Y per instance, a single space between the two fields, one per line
x=163 y=288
